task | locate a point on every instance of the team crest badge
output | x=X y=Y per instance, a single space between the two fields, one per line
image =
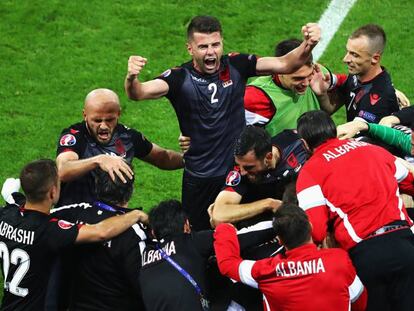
x=67 y=140
x=65 y=224
x=374 y=98
x=233 y=178
x=292 y=161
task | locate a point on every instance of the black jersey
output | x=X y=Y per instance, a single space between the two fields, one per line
x=29 y=243
x=371 y=100
x=164 y=288
x=210 y=110
x=406 y=116
x=293 y=156
x=127 y=143
x=105 y=274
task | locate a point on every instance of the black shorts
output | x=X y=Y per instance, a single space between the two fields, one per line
x=197 y=195
x=385 y=265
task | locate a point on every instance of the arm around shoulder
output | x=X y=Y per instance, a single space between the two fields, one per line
x=110 y=227
x=227 y=207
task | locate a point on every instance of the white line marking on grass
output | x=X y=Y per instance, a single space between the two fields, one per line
x=330 y=21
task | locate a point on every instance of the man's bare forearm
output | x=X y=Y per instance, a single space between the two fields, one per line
x=232 y=213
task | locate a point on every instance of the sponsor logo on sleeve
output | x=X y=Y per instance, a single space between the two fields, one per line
x=233 y=178
x=166 y=73
x=67 y=140
x=65 y=224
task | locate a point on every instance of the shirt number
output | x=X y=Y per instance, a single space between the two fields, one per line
x=213 y=87
x=351 y=103
x=17 y=257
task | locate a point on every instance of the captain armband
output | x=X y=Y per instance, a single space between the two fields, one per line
x=333 y=79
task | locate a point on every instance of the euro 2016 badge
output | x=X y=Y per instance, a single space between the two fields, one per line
x=67 y=140
x=65 y=224
x=233 y=178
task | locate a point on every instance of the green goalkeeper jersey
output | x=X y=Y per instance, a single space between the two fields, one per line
x=289 y=105
x=393 y=137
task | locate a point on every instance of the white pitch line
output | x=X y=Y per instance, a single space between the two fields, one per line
x=330 y=21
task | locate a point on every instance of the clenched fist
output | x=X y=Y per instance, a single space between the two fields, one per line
x=135 y=65
x=311 y=33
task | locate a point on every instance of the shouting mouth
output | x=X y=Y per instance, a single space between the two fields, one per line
x=210 y=63
x=104 y=135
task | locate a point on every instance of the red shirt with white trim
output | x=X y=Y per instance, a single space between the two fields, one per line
x=352 y=186
x=305 y=278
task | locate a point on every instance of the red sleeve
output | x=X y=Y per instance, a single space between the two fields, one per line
x=407 y=184
x=361 y=303
x=259 y=108
x=338 y=80
x=313 y=202
x=226 y=246
x=357 y=291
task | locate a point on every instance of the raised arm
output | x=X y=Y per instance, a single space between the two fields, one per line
x=296 y=58
x=164 y=158
x=146 y=90
x=71 y=167
x=227 y=208
x=110 y=227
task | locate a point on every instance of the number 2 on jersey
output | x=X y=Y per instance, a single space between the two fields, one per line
x=213 y=87
x=17 y=257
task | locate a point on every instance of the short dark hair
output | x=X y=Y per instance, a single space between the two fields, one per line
x=167 y=218
x=289 y=195
x=375 y=34
x=253 y=138
x=112 y=192
x=203 y=24
x=292 y=225
x=316 y=127
x=286 y=46
x=37 y=178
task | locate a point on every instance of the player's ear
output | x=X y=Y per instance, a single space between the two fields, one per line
x=279 y=240
x=306 y=145
x=189 y=48
x=187 y=227
x=268 y=159
x=153 y=233
x=53 y=193
x=84 y=114
x=376 y=58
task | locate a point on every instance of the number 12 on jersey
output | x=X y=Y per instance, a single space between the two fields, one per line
x=17 y=257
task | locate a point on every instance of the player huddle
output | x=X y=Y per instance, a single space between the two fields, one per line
x=302 y=219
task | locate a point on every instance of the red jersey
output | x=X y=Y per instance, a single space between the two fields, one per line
x=305 y=278
x=354 y=187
